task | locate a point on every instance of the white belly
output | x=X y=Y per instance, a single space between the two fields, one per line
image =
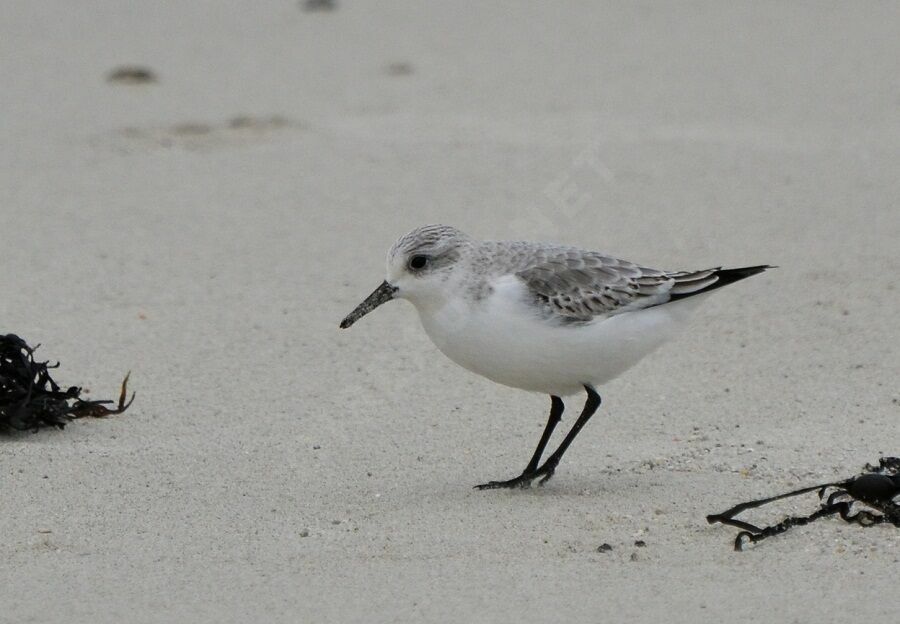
x=504 y=340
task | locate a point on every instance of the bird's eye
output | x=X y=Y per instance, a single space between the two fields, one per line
x=418 y=262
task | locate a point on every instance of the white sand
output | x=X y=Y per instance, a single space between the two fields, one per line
x=139 y=231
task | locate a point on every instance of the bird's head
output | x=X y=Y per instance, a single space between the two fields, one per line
x=418 y=266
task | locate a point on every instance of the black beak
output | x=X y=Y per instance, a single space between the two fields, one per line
x=382 y=294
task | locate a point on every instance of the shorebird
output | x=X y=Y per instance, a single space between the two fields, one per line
x=540 y=317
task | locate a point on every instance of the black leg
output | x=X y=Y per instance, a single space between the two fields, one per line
x=556 y=411
x=590 y=406
x=546 y=471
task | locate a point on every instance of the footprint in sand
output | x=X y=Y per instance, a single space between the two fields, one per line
x=238 y=130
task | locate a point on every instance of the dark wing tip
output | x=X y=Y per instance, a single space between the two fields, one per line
x=729 y=276
x=725 y=277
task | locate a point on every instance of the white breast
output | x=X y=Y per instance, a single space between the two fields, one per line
x=504 y=338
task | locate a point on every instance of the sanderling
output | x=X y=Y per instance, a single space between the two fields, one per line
x=540 y=317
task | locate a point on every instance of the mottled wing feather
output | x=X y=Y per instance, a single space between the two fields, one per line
x=573 y=285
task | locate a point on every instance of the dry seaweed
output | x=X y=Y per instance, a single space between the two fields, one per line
x=30 y=399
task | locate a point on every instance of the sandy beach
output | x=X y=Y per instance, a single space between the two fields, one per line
x=208 y=228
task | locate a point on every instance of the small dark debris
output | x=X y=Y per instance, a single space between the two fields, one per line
x=30 y=399
x=604 y=548
x=241 y=121
x=640 y=543
x=318 y=5
x=400 y=69
x=634 y=556
x=131 y=74
x=316 y=447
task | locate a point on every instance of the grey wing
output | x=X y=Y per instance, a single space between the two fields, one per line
x=573 y=285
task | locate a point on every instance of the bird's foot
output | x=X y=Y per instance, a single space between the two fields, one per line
x=523 y=480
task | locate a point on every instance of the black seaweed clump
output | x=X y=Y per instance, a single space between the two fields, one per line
x=877 y=487
x=30 y=399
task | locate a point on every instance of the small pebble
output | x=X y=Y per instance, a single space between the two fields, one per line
x=640 y=543
x=304 y=533
x=604 y=548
